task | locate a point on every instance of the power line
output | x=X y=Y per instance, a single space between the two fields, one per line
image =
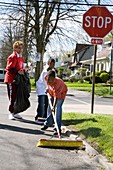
x=77 y=5
x=62 y=3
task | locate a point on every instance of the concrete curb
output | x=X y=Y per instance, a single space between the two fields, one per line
x=90 y=150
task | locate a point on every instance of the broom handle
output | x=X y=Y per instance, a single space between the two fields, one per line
x=54 y=118
x=56 y=125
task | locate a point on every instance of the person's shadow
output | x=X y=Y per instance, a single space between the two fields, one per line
x=77 y=121
x=90 y=132
x=19 y=129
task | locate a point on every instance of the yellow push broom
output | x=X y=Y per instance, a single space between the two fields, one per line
x=59 y=143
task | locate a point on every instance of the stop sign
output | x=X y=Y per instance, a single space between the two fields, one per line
x=97 y=21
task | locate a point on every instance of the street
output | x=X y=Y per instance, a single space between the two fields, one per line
x=18 y=141
x=80 y=101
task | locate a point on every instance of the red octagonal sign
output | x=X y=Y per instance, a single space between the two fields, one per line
x=97 y=21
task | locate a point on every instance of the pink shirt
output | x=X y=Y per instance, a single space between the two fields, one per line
x=58 y=89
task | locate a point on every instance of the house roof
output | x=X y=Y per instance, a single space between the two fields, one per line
x=80 y=47
x=104 y=53
x=83 y=52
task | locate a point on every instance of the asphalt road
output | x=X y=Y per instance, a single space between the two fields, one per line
x=79 y=101
x=18 y=141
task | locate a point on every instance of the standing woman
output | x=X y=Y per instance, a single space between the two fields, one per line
x=15 y=65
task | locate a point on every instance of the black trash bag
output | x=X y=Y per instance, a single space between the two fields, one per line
x=22 y=102
x=26 y=80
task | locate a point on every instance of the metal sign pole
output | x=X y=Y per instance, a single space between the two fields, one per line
x=98 y=2
x=111 y=68
x=93 y=82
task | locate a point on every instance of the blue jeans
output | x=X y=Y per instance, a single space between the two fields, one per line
x=42 y=106
x=58 y=114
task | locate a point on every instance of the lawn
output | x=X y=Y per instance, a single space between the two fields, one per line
x=33 y=86
x=100 y=89
x=97 y=130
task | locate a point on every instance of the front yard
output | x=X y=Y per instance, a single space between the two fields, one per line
x=97 y=130
x=100 y=89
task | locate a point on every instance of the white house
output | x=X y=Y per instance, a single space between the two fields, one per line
x=103 y=58
x=82 y=57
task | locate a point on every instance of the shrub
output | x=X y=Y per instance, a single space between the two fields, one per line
x=82 y=71
x=110 y=81
x=104 y=77
x=97 y=73
x=73 y=79
x=98 y=79
x=32 y=81
x=87 y=78
x=103 y=71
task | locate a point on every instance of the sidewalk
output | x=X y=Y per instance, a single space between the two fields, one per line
x=90 y=151
x=27 y=133
x=81 y=102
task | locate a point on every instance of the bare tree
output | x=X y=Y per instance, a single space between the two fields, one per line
x=41 y=22
x=9 y=37
x=11 y=34
x=41 y=19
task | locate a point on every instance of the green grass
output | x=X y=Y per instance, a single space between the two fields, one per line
x=100 y=89
x=95 y=129
x=33 y=86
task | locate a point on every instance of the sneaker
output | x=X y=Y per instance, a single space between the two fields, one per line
x=56 y=133
x=54 y=129
x=17 y=116
x=39 y=122
x=11 y=116
x=44 y=127
x=36 y=118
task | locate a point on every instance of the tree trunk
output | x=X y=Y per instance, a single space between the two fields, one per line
x=25 y=52
x=38 y=69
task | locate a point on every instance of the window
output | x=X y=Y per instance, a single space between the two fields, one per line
x=1 y=72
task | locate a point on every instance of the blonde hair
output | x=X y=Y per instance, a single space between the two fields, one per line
x=17 y=44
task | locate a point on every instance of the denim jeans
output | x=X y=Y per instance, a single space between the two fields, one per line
x=58 y=114
x=42 y=106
